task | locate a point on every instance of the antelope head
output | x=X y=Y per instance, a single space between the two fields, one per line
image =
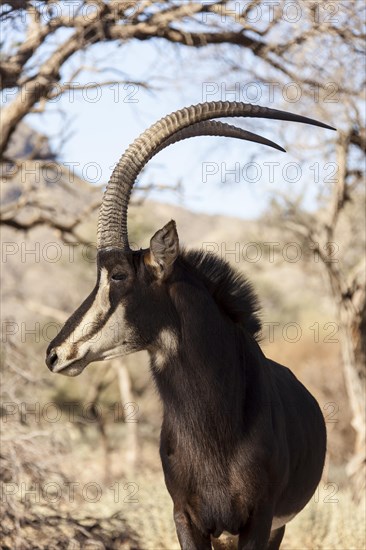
x=130 y=308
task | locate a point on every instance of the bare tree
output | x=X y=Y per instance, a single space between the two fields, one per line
x=40 y=38
x=347 y=283
x=37 y=78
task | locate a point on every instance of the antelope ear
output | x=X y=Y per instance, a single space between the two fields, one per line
x=164 y=249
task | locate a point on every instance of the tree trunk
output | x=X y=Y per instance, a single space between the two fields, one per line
x=130 y=422
x=353 y=340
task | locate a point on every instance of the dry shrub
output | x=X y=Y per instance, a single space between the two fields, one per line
x=29 y=451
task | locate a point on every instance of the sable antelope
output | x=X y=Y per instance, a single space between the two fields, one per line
x=242 y=441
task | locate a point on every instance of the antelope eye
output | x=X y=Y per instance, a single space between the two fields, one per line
x=119 y=276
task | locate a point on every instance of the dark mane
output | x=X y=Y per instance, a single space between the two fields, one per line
x=230 y=289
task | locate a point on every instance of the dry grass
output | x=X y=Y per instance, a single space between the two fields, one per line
x=328 y=525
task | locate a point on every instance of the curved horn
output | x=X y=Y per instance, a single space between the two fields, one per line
x=112 y=222
x=213 y=128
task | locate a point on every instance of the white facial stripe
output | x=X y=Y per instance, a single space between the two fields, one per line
x=87 y=323
x=100 y=305
x=115 y=338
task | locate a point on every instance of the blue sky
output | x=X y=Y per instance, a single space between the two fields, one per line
x=101 y=123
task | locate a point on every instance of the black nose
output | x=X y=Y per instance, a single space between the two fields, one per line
x=51 y=359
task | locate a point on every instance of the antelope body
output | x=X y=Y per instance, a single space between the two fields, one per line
x=242 y=441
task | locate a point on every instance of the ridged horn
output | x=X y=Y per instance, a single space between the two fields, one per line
x=112 y=222
x=213 y=128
